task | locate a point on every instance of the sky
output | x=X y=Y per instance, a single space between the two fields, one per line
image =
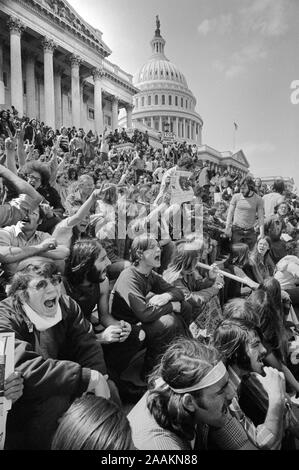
x=239 y=57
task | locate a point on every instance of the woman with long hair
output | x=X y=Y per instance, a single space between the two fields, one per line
x=271 y=322
x=199 y=291
x=262 y=265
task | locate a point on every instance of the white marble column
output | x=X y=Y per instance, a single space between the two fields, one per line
x=2 y=89
x=41 y=100
x=49 y=46
x=114 y=113
x=98 y=106
x=160 y=123
x=76 y=106
x=58 y=98
x=199 y=135
x=129 y=110
x=82 y=106
x=176 y=127
x=30 y=87
x=65 y=110
x=16 y=77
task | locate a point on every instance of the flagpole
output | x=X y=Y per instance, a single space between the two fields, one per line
x=235 y=135
x=234 y=139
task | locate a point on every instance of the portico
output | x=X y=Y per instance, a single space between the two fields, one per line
x=63 y=77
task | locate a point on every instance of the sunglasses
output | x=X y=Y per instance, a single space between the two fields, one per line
x=44 y=283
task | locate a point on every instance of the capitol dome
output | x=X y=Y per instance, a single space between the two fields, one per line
x=165 y=102
x=159 y=68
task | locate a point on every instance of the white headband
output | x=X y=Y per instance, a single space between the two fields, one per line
x=212 y=377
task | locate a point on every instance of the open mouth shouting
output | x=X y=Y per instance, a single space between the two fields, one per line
x=25 y=220
x=50 y=306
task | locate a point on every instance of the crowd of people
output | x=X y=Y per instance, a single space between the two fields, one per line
x=121 y=290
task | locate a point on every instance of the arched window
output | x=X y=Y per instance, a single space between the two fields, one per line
x=142 y=101
x=182 y=103
x=163 y=99
x=156 y=99
x=169 y=100
x=136 y=102
x=176 y=101
x=149 y=100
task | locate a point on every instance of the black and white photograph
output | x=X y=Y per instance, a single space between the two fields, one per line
x=149 y=229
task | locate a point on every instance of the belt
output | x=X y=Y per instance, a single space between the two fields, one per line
x=242 y=228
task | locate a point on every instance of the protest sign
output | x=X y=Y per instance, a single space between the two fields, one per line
x=181 y=187
x=7 y=346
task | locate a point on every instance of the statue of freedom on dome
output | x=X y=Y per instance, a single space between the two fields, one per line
x=157 y=32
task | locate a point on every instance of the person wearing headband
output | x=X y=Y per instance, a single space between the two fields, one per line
x=186 y=406
x=261 y=402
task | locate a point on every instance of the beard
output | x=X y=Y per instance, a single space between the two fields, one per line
x=94 y=276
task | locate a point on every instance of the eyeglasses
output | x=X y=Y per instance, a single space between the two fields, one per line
x=43 y=284
x=33 y=178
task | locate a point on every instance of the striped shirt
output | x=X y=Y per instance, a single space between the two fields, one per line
x=148 y=435
x=243 y=211
x=260 y=435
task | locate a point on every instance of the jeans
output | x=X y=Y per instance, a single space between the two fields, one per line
x=161 y=332
x=240 y=235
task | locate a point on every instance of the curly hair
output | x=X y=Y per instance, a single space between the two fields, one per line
x=40 y=168
x=28 y=270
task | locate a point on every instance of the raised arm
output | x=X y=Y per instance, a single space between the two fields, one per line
x=20 y=185
x=84 y=209
x=230 y=216
x=20 y=146
x=10 y=145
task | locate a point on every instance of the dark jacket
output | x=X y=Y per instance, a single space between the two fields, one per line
x=56 y=367
x=56 y=361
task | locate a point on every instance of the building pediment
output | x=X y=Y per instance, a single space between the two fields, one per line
x=240 y=158
x=61 y=12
